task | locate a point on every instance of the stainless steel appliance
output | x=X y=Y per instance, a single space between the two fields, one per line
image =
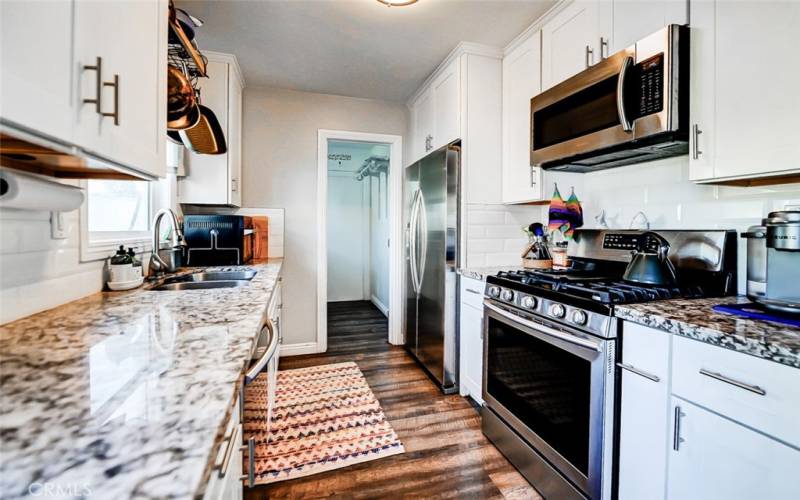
x=773 y=262
x=218 y=240
x=552 y=348
x=169 y=259
x=629 y=108
x=431 y=192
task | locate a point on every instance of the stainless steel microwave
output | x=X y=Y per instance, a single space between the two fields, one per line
x=631 y=107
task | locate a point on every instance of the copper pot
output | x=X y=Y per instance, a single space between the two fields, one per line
x=182 y=110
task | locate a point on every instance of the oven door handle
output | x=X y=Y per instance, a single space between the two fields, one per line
x=545 y=329
x=623 y=118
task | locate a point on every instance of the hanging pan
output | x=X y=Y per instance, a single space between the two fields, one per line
x=207 y=136
x=182 y=111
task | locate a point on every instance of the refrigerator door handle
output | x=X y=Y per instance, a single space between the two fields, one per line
x=413 y=233
x=422 y=223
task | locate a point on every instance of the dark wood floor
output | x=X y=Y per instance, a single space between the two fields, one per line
x=446 y=455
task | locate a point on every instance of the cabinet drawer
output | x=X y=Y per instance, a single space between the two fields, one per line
x=472 y=292
x=758 y=393
x=645 y=352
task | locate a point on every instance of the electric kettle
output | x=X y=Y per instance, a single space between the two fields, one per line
x=649 y=263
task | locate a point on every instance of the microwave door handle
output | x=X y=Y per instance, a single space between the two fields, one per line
x=623 y=119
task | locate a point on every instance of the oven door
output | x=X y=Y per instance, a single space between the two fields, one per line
x=554 y=387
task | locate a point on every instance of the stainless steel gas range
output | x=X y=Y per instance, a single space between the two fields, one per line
x=551 y=353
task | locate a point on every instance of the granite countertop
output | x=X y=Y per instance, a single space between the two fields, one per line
x=125 y=394
x=695 y=319
x=480 y=273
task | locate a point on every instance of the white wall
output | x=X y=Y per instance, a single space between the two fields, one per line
x=379 y=235
x=280 y=170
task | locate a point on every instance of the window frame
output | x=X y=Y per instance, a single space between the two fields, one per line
x=103 y=248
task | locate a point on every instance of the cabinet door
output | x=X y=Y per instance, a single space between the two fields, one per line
x=570 y=42
x=234 y=138
x=634 y=19
x=471 y=357
x=446 y=100
x=36 y=78
x=131 y=38
x=644 y=413
x=423 y=124
x=521 y=81
x=720 y=459
x=747 y=118
x=207 y=180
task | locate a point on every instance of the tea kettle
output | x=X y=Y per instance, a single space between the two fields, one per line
x=649 y=263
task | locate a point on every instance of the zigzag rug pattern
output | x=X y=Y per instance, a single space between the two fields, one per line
x=325 y=417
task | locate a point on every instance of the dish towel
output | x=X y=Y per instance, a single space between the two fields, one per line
x=575 y=214
x=558 y=216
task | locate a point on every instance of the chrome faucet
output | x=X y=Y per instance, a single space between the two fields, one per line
x=157 y=264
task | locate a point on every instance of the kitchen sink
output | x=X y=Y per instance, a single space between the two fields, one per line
x=213 y=276
x=200 y=285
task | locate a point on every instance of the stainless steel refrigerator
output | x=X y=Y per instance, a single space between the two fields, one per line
x=431 y=215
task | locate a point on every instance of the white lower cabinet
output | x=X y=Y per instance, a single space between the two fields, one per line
x=716 y=458
x=471 y=339
x=644 y=413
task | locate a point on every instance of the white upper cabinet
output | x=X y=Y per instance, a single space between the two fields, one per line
x=35 y=90
x=632 y=20
x=744 y=89
x=570 y=42
x=446 y=101
x=94 y=76
x=128 y=39
x=521 y=81
x=422 y=115
x=216 y=179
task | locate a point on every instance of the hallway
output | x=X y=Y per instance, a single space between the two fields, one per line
x=446 y=454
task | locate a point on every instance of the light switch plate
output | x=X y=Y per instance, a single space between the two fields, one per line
x=58 y=226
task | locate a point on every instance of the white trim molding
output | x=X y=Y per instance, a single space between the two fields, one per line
x=396 y=274
x=299 y=349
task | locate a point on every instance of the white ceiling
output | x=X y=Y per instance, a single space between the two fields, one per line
x=356 y=48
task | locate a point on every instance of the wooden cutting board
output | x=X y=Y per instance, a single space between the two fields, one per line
x=260 y=237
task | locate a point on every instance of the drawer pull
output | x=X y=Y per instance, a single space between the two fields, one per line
x=470 y=290
x=639 y=372
x=232 y=445
x=676 y=436
x=250 y=477
x=741 y=385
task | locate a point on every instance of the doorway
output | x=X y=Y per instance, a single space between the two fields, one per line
x=359 y=196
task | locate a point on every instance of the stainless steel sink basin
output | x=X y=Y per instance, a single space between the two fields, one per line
x=200 y=285
x=213 y=276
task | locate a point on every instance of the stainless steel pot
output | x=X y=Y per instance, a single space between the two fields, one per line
x=756 y=262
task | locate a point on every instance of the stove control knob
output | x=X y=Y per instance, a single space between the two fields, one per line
x=494 y=291
x=579 y=318
x=557 y=311
x=507 y=295
x=528 y=302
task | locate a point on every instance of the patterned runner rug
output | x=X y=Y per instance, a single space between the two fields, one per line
x=325 y=417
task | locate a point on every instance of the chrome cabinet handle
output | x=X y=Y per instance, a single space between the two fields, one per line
x=589 y=54
x=533 y=176
x=250 y=477
x=696 y=149
x=623 y=118
x=226 y=460
x=639 y=372
x=115 y=114
x=676 y=434
x=741 y=385
x=603 y=45
x=470 y=290
x=97 y=67
x=234 y=185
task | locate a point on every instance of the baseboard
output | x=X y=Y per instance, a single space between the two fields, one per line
x=377 y=303
x=471 y=388
x=299 y=349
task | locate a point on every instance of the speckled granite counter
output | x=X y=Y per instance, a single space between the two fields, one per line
x=695 y=319
x=480 y=273
x=125 y=394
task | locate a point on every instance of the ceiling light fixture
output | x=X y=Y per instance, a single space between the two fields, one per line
x=397 y=3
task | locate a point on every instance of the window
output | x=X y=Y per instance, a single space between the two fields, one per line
x=115 y=213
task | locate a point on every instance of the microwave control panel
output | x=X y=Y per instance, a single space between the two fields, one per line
x=650 y=73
